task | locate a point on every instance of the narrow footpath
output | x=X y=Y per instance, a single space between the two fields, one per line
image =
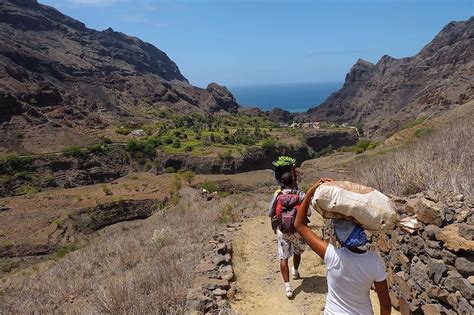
x=259 y=280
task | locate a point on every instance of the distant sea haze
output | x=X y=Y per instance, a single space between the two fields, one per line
x=293 y=97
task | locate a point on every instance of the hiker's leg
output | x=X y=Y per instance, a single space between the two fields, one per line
x=296 y=261
x=285 y=271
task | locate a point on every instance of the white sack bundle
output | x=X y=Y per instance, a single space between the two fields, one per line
x=345 y=200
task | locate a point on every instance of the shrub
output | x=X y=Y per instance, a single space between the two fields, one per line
x=106 y=140
x=95 y=148
x=147 y=147
x=422 y=132
x=188 y=176
x=175 y=190
x=325 y=151
x=167 y=139
x=226 y=215
x=19 y=135
x=64 y=250
x=162 y=114
x=345 y=149
x=363 y=144
x=439 y=161
x=226 y=155
x=170 y=169
x=210 y=186
x=123 y=130
x=18 y=162
x=268 y=145
x=5 y=179
x=360 y=129
x=74 y=151
x=107 y=191
x=414 y=123
x=176 y=143
x=24 y=175
x=27 y=189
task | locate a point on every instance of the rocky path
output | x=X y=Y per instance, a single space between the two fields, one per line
x=259 y=280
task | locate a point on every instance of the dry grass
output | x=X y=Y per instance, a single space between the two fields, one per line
x=132 y=268
x=442 y=160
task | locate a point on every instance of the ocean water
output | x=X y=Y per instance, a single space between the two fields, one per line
x=291 y=97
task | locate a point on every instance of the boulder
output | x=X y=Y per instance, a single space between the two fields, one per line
x=414 y=245
x=464 y=308
x=454 y=240
x=436 y=270
x=429 y=212
x=448 y=257
x=465 y=266
x=220 y=259
x=398 y=258
x=419 y=273
x=196 y=301
x=206 y=266
x=470 y=279
x=405 y=290
x=457 y=283
x=438 y=294
x=462 y=215
x=211 y=284
x=432 y=309
x=226 y=272
x=459 y=197
x=219 y=292
x=430 y=231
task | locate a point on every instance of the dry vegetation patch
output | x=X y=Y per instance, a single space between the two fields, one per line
x=441 y=160
x=133 y=267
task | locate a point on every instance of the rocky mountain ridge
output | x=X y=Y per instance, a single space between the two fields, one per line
x=386 y=95
x=58 y=77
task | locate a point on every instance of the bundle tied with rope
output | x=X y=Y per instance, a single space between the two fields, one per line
x=366 y=206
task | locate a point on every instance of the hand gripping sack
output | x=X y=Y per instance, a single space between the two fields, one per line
x=345 y=200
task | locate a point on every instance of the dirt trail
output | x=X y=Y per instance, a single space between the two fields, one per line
x=259 y=279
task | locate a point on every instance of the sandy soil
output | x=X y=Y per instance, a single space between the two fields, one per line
x=259 y=280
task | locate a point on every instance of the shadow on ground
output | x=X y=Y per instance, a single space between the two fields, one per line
x=314 y=284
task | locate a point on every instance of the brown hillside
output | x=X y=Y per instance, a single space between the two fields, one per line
x=386 y=95
x=59 y=79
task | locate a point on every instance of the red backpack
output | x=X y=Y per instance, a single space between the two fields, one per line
x=286 y=207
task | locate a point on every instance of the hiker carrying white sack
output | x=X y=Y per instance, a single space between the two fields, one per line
x=351 y=270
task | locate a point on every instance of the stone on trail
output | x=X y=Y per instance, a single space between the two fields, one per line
x=219 y=292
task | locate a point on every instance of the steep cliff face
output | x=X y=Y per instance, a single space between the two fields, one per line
x=385 y=95
x=58 y=74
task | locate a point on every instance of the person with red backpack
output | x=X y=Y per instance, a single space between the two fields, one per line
x=282 y=210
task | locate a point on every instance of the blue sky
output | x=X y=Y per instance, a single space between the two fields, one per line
x=243 y=42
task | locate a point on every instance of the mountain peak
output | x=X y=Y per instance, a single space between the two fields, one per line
x=386 y=95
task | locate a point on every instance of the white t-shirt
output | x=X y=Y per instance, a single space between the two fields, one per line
x=350 y=277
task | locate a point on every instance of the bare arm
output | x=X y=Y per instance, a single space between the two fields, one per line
x=384 y=298
x=317 y=244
